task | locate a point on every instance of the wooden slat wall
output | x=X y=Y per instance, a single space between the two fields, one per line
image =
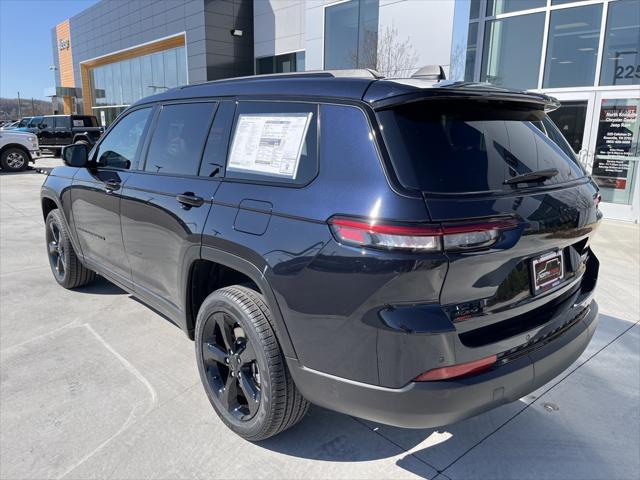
x=65 y=57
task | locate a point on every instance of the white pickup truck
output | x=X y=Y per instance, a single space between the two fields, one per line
x=17 y=149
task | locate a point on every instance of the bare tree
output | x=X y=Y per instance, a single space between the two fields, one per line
x=386 y=53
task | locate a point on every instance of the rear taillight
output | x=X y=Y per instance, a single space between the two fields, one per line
x=455 y=371
x=419 y=237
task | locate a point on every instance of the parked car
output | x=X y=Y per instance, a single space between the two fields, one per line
x=10 y=125
x=17 y=149
x=56 y=131
x=412 y=252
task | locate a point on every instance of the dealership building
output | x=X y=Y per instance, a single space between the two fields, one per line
x=585 y=53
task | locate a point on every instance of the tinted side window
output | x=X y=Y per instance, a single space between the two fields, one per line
x=178 y=140
x=274 y=143
x=62 y=122
x=47 y=122
x=215 y=153
x=35 y=121
x=120 y=146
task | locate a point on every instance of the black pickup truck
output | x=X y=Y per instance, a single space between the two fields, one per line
x=57 y=131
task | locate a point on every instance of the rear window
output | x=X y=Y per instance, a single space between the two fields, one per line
x=457 y=147
x=84 y=121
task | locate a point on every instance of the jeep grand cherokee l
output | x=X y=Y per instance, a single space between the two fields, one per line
x=405 y=251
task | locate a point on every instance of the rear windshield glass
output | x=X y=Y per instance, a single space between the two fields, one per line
x=84 y=122
x=457 y=147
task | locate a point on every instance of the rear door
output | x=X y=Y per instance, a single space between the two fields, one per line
x=165 y=203
x=530 y=246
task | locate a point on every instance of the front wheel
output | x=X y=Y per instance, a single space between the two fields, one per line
x=65 y=265
x=242 y=367
x=14 y=160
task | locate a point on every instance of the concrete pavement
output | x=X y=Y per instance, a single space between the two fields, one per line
x=96 y=385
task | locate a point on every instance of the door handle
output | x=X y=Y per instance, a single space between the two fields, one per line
x=111 y=185
x=189 y=199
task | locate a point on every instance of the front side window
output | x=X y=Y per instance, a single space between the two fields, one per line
x=35 y=121
x=120 y=146
x=572 y=47
x=507 y=60
x=47 y=122
x=179 y=137
x=621 y=56
x=274 y=142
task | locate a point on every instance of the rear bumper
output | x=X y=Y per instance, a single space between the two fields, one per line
x=433 y=404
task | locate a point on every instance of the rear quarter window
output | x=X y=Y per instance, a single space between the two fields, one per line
x=455 y=147
x=274 y=142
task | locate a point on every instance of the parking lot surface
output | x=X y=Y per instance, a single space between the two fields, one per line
x=96 y=385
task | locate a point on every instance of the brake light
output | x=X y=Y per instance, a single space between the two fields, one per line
x=419 y=237
x=454 y=371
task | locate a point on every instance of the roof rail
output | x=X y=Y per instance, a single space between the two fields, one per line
x=347 y=73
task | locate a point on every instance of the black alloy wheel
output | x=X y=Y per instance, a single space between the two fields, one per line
x=231 y=366
x=66 y=267
x=242 y=367
x=56 y=251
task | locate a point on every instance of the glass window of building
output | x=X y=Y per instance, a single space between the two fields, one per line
x=117 y=85
x=497 y=7
x=507 y=60
x=472 y=46
x=621 y=55
x=572 y=47
x=351 y=35
x=571 y=119
x=474 y=9
x=288 y=62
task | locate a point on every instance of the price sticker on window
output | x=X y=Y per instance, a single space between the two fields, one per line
x=269 y=144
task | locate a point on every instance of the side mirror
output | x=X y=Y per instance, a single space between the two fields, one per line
x=76 y=155
x=40 y=126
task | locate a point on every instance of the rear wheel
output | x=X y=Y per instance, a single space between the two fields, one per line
x=65 y=265
x=242 y=367
x=14 y=160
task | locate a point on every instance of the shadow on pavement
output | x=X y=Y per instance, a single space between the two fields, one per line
x=101 y=286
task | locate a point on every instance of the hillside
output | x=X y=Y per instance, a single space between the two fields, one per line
x=9 y=108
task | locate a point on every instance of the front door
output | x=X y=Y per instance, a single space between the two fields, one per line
x=96 y=193
x=602 y=128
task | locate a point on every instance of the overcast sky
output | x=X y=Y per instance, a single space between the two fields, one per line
x=25 y=43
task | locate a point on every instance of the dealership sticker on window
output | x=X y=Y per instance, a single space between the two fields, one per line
x=78 y=123
x=269 y=144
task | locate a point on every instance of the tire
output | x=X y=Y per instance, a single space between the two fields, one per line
x=14 y=160
x=65 y=265
x=254 y=366
x=82 y=141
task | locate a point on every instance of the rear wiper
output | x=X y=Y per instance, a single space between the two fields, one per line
x=538 y=176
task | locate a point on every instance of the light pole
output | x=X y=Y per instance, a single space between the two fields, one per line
x=54 y=99
x=19 y=107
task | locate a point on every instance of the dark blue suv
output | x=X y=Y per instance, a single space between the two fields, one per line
x=406 y=251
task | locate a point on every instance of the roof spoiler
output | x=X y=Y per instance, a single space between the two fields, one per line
x=435 y=73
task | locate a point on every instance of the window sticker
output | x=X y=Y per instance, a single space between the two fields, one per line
x=78 y=123
x=269 y=144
